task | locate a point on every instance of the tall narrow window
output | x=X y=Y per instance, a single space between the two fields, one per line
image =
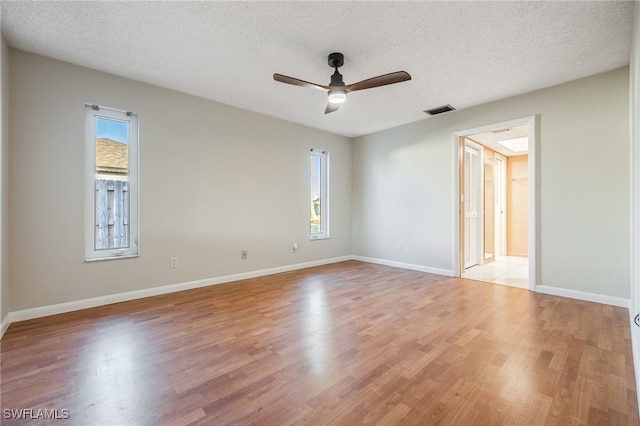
x=319 y=208
x=111 y=183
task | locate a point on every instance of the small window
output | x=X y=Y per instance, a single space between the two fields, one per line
x=319 y=184
x=111 y=183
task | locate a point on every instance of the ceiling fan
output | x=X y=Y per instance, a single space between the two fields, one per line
x=337 y=90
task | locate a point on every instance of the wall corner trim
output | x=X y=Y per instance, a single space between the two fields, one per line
x=582 y=295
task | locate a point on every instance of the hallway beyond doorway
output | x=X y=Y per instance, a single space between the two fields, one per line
x=504 y=270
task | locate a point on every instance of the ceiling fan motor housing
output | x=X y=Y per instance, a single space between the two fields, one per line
x=336 y=79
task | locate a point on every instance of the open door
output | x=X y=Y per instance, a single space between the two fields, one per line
x=489 y=216
x=472 y=203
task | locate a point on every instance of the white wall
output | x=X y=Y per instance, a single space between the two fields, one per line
x=4 y=185
x=403 y=185
x=214 y=180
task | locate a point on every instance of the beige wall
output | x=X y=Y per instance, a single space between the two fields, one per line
x=214 y=180
x=517 y=205
x=403 y=184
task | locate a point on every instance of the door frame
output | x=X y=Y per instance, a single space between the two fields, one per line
x=532 y=123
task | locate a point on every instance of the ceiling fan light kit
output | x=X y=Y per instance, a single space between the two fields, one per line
x=337 y=90
x=337 y=96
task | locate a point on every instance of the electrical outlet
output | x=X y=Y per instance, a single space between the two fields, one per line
x=294 y=247
x=399 y=246
x=243 y=254
x=173 y=262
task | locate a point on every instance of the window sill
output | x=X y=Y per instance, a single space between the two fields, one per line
x=99 y=259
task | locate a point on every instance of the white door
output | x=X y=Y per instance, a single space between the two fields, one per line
x=472 y=205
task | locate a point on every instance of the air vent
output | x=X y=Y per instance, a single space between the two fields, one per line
x=440 y=110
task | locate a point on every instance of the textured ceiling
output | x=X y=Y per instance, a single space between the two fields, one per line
x=458 y=53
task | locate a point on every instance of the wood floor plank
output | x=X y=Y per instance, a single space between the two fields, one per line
x=342 y=344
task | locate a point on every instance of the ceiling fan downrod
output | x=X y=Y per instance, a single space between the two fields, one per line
x=336 y=60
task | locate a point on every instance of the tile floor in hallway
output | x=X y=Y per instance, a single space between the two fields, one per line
x=504 y=270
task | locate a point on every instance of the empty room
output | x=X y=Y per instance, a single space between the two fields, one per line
x=340 y=213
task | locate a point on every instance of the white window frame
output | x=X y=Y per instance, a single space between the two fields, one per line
x=324 y=194
x=91 y=113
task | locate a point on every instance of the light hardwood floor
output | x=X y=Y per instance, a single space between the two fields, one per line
x=342 y=344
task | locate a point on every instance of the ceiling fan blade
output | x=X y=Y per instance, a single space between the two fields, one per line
x=331 y=108
x=297 y=82
x=381 y=80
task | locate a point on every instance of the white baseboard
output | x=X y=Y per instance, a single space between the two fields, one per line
x=43 y=311
x=582 y=295
x=437 y=271
x=6 y=322
x=555 y=291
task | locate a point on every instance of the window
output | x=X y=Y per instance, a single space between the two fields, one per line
x=319 y=184
x=111 y=183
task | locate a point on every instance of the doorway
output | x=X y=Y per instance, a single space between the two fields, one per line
x=495 y=232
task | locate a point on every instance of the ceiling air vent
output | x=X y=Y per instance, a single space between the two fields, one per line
x=440 y=110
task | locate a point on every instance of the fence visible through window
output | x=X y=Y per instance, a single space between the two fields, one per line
x=112 y=214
